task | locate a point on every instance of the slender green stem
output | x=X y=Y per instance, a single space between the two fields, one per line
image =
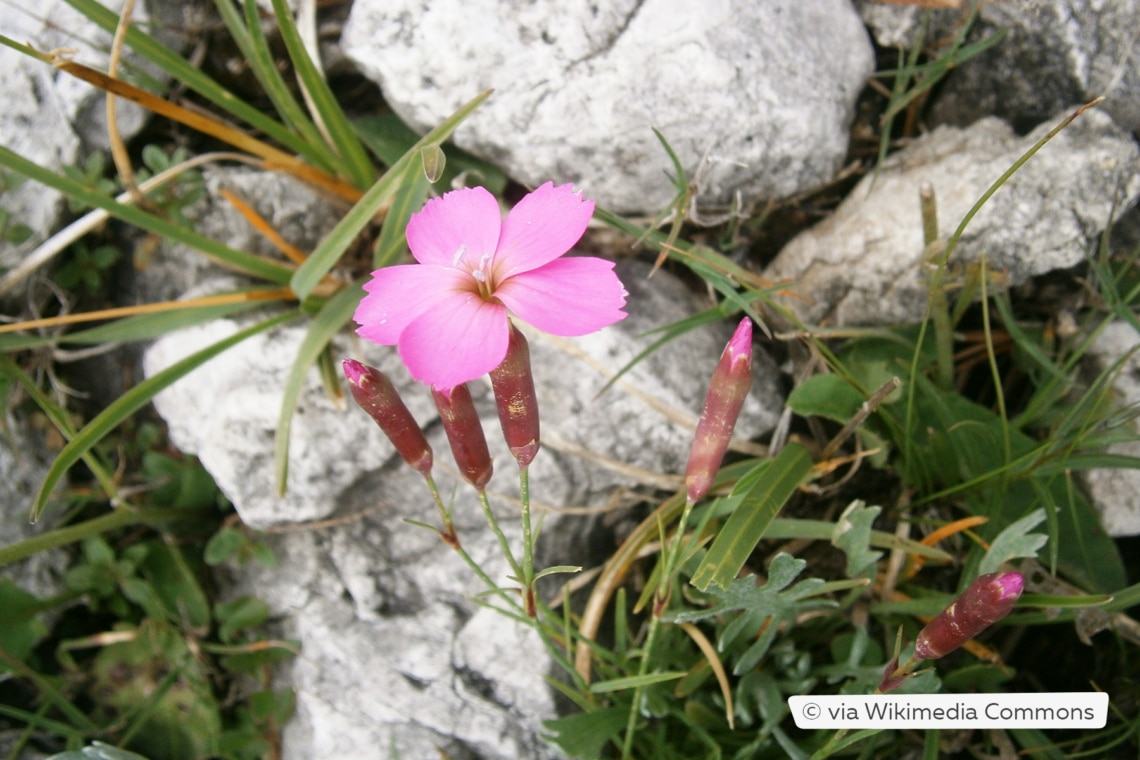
x=505 y=594
x=991 y=355
x=939 y=306
x=72 y=533
x=504 y=544
x=49 y=692
x=528 y=543
x=660 y=603
x=448 y=534
x=642 y=670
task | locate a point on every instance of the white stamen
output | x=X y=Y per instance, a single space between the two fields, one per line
x=459 y=254
x=480 y=274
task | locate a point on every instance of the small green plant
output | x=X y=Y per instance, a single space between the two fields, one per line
x=11 y=231
x=86 y=268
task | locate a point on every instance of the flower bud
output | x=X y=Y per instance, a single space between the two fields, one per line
x=464 y=433
x=727 y=391
x=376 y=395
x=516 y=399
x=984 y=602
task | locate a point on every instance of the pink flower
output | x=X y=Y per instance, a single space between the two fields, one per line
x=448 y=314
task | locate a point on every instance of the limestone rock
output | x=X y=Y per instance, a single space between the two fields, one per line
x=1114 y=490
x=755 y=98
x=1054 y=53
x=863 y=264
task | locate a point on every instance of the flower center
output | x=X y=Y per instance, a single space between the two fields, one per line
x=481 y=273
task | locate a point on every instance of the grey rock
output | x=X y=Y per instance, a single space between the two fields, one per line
x=300 y=215
x=1055 y=53
x=52 y=118
x=864 y=264
x=35 y=124
x=755 y=98
x=24 y=463
x=1113 y=490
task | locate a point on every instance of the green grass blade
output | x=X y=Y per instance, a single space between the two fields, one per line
x=254 y=47
x=61 y=419
x=324 y=258
x=353 y=162
x=670 y=332
x=767 y=494
x=633 y=682
x=328 y=321
x=132 y=401
x=187 y=74
x=254 y=265
x=392 y=244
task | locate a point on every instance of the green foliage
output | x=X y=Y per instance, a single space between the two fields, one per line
x=11 y=230
x=760 y=495
x=86 y=267
x=91 y=174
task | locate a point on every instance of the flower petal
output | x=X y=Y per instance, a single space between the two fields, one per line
x=544 y=225
x=467 y=220
x=569 y=297
x=399 y=294
x=456 y=342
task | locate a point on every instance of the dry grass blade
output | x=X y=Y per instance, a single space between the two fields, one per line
x=714 y=662
x=274 y=294
x=274 y=158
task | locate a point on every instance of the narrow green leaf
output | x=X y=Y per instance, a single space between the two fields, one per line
x=189 y=75
x=329 y=251
x=670 y=332
x=133 y=400
x=554 y=570
x=392 y=244
x=1062 y=601
x=634 y=682
x=353 y=161
x=327 y=322
x=254 y=265
x=62 y=421
x=389 y=138
x=251 y=41
x=767 y=495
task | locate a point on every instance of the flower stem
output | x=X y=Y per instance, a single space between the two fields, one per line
x=528 y=543
x=448 y=533
x=504 y=544
x=660 y=602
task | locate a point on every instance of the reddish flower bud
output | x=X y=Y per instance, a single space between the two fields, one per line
x=516 y=399
x=376 y=395
x=464 y=433
x=727 y=391
x=984 y=602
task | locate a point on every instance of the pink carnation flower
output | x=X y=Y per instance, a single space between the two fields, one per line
x=448 y=314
